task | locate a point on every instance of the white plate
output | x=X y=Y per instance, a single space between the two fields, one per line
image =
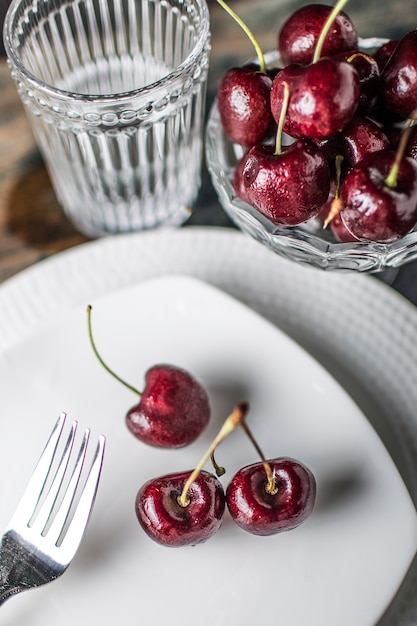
x=337 y=317
x=344 y=551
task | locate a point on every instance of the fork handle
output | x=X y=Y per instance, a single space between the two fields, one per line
x=19 y=568
x=8 y=587
x=7 y=592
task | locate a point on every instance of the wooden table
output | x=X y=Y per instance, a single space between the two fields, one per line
x=32 y=224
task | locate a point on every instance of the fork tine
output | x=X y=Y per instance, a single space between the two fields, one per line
x=85 y=504
x=46 y=509
x=59 y=522
x=36 y=484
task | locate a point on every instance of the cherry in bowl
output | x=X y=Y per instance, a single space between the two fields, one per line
x=308 y=242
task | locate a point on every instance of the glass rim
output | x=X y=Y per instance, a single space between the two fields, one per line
x=14 y=59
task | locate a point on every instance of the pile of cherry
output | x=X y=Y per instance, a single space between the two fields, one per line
x=187 y=507
x=330 y=134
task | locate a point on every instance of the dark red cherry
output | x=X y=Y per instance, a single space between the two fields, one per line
x=313 y=110
x=399 y=77
x=243 y=101
x=360 y=137
x=173 y=409
x=383 y=53
x=261 y=511
x=287 y=188
x=167 y=521
x=374 y=210
x=298 y=36
x=186 y=508
x=368 y=72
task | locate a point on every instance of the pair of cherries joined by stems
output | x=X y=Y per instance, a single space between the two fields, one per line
x=342 y=111
x=263 y=498
x=186 y=508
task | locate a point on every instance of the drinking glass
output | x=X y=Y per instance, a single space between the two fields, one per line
x=115 y=93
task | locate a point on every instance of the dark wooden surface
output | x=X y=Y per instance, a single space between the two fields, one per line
x=32 y=225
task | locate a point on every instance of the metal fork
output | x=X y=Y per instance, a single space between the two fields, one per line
x=46 y=529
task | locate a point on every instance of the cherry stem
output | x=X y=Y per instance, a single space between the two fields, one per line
x=355 y=55
x=219 y=469
x=271 y=487
x=337 y=204
x=278 y=141
x=391 y=179
x=106 y=367
x=333 y=14
x=236 y=417
x=248 y=32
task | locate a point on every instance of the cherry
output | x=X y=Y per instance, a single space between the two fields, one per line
x=272 y=496
x=288 y=187
x=383 y=53
x=360 y=137
x=399 y=77
x=263 y=511
x=298 y=36
x=243 y=98
x=368 y=72
x=313 y=111
x=348 y=103
x=186 y=508
x=168 y=522
x=173 y=409
x=244 y=106
x=377 y=205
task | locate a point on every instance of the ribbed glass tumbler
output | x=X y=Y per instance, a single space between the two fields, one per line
x=115 y=92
